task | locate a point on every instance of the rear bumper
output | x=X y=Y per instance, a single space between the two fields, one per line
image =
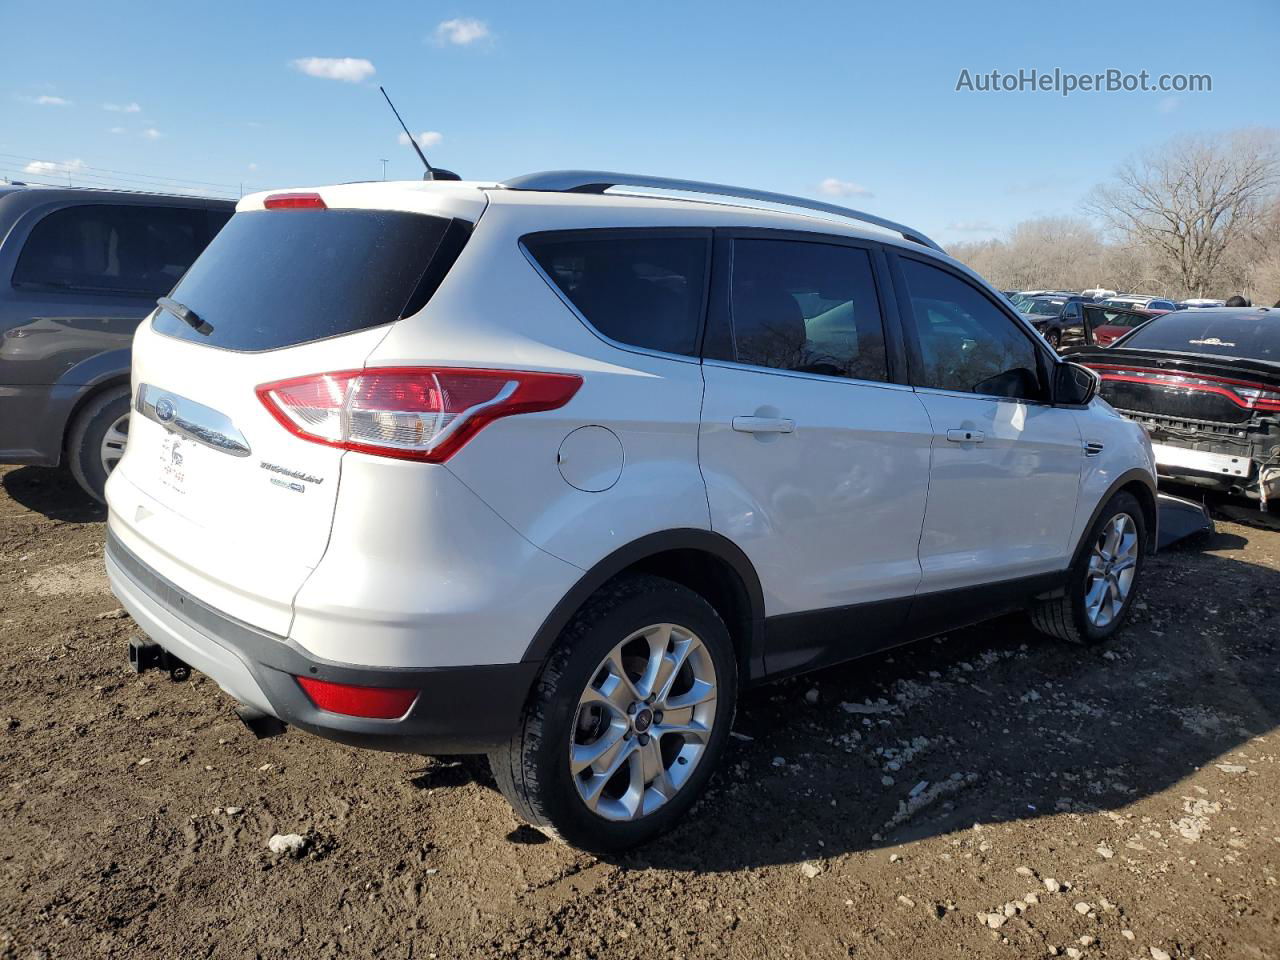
x=469 y=709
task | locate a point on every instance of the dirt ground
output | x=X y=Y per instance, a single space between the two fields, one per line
x=988 y=794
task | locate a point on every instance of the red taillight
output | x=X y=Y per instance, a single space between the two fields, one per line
x=295 y=201
x=376 y=703
x=411 y=413
x=1243 y=393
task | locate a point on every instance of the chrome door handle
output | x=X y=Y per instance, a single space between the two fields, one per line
x=764 y=425
x=966 y=436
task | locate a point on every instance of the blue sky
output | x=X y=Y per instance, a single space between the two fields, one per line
x=772 y=95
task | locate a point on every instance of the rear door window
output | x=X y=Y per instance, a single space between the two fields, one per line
x=128 y=250
x=807 y=307
x=277 y=278
x=644 y=289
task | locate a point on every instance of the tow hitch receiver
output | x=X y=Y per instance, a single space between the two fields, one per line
x=145 y=655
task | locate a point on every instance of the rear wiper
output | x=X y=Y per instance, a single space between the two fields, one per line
x=186 y=315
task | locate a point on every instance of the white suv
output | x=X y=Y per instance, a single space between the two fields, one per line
x=551 y=472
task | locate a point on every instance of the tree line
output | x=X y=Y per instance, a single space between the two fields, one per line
x=1198 y=216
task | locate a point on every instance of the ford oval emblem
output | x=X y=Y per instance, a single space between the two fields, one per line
x=164 y=409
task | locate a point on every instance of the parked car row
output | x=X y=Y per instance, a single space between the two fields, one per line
x=1061 y=317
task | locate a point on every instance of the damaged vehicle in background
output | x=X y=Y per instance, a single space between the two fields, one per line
x=1206 y=385
x=1105 y=325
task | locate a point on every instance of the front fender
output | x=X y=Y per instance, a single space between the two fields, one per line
x=1126 y=459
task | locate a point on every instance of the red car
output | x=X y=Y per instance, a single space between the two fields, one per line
x=1110 y=323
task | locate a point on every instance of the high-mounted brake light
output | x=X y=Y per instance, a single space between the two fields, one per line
x=410 y=413
x=1243 y=393
x=376 y=703
x=295 y=201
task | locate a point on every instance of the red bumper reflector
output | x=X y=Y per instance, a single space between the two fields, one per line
x=376 y=703
x=295 y=201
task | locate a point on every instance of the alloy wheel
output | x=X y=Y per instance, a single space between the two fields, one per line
x=643 y=722
x=1112 y=567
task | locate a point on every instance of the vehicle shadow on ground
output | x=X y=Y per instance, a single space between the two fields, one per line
x=53 y=493
x=997 y=722
x=1012 y=727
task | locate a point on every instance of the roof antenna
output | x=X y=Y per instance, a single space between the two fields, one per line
x=433 y=173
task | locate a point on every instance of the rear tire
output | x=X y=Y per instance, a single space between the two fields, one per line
x=583 y=720
x=1099 y=596
x=97 y=439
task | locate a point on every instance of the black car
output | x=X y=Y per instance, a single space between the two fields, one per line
x=1206 y=385
x=1053 y=315
x=79 y=270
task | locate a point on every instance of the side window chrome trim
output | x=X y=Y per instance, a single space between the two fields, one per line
x=617 y=344
x=994 y=398
x=801 y=375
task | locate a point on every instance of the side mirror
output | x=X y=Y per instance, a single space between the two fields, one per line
x=1074 y=385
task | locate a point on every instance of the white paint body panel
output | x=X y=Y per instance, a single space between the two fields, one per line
x=1003 y=508
x=421 y=573
x=650 y=401
x=213 y=523
x=1125 y=447
x=829 y=514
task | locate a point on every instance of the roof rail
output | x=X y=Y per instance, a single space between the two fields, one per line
x=598 y=181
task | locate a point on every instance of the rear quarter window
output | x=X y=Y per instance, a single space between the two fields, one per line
x=643 y=289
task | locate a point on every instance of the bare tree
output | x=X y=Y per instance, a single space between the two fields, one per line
x=1058 y=252
x=1193 y=201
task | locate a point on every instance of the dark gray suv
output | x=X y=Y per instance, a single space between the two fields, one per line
x=79 y=269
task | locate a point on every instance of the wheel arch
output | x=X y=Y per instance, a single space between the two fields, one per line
x=87 y=396
x=707 y=563
x=1140 y=484
x=108 y=370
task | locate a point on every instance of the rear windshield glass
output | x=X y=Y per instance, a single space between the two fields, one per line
x=276 y=278
x=1251 y=335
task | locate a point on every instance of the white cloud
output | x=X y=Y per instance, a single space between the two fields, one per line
x=151 y=133
x=462 y=31
x=972 y=226
x=426 y=139
x=116 y=130
x=253 y=166
x=347 y=69
x=833 y=187
x=48 y=168
x=44 y=100
x=1169 y=104
x=122 y=107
